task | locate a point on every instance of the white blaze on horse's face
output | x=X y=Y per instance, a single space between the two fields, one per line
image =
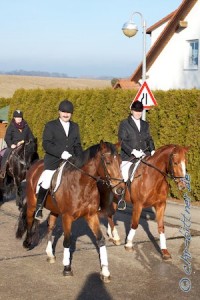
x=183 y=168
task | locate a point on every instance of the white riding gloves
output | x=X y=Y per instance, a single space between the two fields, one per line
x=152 y=152
x=65 y=155
x=138 y=153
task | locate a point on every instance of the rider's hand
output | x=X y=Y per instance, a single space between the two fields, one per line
x=20 y=142
x=152 y=152
x=13 y=146
x=137 y=153
x=66 y=155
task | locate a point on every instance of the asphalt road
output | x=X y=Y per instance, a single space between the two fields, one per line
x=141 y=274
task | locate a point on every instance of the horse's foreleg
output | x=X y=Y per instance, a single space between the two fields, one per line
x=160 y=210
x=67 y=223
x=93 y=222
x=112 y=232
x=49 y=249
x=136 y=213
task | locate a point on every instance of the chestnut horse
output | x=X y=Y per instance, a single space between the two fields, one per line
x=18 y=162
x=149 y=188
x=77 y=196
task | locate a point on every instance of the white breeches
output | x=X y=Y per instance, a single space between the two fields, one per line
x=45 y=179
x=125 y=165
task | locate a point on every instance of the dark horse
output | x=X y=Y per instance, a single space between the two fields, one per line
x=77 y=196
x=18 y=162
x=149 y=188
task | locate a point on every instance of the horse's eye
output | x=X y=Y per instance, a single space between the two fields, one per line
x=175 y=163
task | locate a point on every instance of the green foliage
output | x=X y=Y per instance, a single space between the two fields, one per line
x=176 y=119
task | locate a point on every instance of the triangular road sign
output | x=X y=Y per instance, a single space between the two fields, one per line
x=145 y=96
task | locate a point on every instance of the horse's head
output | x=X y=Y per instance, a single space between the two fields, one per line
x=177 y=165
x=109 y=167
x=30 y=152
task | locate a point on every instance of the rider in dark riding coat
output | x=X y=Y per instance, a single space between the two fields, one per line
x=17 y=133
x=61 y=140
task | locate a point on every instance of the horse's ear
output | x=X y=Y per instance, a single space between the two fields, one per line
x=102 y=144
x=118 y=145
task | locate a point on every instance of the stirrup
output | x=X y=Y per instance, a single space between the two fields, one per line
x=38 y=214
x=121 y=204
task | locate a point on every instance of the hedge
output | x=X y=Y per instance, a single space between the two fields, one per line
x=175 y=120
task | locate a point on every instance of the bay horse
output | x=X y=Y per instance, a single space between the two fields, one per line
x=149 y=188
x=77 y=196
x=19 y=161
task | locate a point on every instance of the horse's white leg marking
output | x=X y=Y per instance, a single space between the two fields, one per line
x=162 y=241
x=183 y=168
x=129 y=242
x=49 y=249
x=66 y=257
x=113 y=234
x=104 y=261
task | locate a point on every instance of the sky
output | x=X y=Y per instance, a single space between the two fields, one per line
x=81 y=38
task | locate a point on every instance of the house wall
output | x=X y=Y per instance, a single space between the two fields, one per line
x=168 y=72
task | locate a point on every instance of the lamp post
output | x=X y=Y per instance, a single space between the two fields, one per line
x=130 y=29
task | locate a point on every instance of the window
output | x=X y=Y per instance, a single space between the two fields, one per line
x=192 y=55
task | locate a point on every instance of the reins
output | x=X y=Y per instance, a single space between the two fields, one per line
x=98 y=178
x=171 y=173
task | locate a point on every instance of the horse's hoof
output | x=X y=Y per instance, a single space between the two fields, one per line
x=26 y=244
x=129 y=249
x=105 y=279
x=67 y=271
x=115 y=242
x=51 y=260
x=166 y=255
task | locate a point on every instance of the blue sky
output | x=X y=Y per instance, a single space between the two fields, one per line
x=77 y=37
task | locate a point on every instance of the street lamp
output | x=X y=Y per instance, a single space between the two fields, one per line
x=130 y=29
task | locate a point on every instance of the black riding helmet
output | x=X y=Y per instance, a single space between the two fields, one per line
x=66 y=106
x=137 y=106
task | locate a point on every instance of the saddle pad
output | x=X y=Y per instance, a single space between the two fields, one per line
x=58 y=175
x=133 y=169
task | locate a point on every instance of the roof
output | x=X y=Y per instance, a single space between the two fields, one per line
x=173 y=25
x=165 y=36
x=126 y=84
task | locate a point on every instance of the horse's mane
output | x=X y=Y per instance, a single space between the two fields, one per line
x=87 y=155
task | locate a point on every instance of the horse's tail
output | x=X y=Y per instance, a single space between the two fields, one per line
x=22 y=223
x=32 y=234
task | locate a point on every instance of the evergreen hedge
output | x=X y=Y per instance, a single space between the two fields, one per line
x=175 y=120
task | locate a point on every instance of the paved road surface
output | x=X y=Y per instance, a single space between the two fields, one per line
x=25 y=275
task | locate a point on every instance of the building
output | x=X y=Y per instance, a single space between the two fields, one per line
x=173 y=59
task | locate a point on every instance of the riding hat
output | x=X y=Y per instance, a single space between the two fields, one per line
x=137 y=106
x=66 y=106
x=18 y=114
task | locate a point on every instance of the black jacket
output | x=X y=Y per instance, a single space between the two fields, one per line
x=131 y=138
x=55 y=142
x=14 y=135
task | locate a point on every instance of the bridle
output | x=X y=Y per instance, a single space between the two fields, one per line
x=107 y=176
x=170 y=173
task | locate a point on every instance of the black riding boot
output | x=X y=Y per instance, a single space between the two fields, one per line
x=41 y=197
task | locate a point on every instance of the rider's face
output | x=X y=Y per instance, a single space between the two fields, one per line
x=65 y=116
x=136 y=114
x=18 y=120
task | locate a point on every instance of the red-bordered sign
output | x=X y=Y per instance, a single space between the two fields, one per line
x=145 y=96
